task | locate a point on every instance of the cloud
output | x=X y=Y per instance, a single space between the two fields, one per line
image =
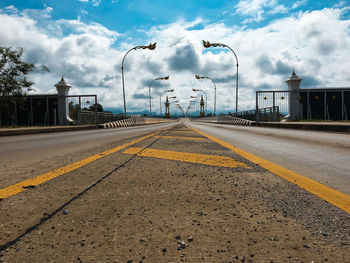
x=279 y=9
x=141 y=96
x=91 y=28
x=256 y=8
x=184 y=57
x=267 y=65
x=94 y=3
x=298 y=4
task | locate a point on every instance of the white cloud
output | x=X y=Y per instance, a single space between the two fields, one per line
x=9 y=10
x=256 y=8
x=315 y=44
x=280 y=9
x=94 y=3
x=298 y=3
x=92 y=28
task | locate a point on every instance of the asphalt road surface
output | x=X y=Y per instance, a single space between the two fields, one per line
x=26 y=149
x=160 y=193
x=321 y=156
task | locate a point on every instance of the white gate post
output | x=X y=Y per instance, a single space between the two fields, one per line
x=62 y=103
x=294 y=87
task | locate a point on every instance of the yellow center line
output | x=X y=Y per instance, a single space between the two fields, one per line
x=183 y=138
x=212 y=160
x=181 y=131
x=328 y=194
x=21 y=186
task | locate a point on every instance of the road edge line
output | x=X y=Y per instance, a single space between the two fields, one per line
x=326 y=193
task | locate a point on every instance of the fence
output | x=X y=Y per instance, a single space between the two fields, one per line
x=28 y=110
x=263 y=114
x=44 y=110
x=89 y=117
x=312 y=104
x=327 y=104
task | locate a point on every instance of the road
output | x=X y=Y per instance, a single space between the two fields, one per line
x=160 y=193
x=321 y=156
x=36 y=147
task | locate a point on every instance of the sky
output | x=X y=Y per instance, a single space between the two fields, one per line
x=85 y=41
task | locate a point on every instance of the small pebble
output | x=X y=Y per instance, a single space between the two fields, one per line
x=182 y=245
x=65 y=211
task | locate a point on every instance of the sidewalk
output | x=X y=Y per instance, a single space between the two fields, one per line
x=42 y=129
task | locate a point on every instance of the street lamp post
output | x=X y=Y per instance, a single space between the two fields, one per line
x=205 y=77
x=179 y=106
x=207 y=44
x=190 y=106
x=160 y=99
x=172 y=102
x=150 y=47
x=149 y=92
x=206 y=98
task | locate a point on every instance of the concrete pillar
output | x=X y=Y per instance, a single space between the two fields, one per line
x=294 y=86
x=62 y=103
x=201 y=113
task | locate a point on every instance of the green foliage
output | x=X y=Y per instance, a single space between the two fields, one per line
x=93 y=107
x=13 y=71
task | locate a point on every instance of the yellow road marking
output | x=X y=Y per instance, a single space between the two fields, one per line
x=183 y=138
x=326 y=193
x=212 y=160
x=182 y=131
x=20 y=187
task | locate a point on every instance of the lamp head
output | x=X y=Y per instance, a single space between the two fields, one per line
x=206 y=44
x=152 y=46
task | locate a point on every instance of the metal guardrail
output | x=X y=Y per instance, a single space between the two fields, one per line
x=133 y=121
x=225 y=119
x=264 y=114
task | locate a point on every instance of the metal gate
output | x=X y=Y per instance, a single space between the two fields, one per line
x=272 y=102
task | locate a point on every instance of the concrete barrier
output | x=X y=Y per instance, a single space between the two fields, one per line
x=226 y=120
x=133 y=121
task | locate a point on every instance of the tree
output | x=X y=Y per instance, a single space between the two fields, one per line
x=13 y=71
x=93 y=107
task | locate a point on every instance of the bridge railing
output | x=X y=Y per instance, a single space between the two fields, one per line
x=225 y=119
x=262 y=114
